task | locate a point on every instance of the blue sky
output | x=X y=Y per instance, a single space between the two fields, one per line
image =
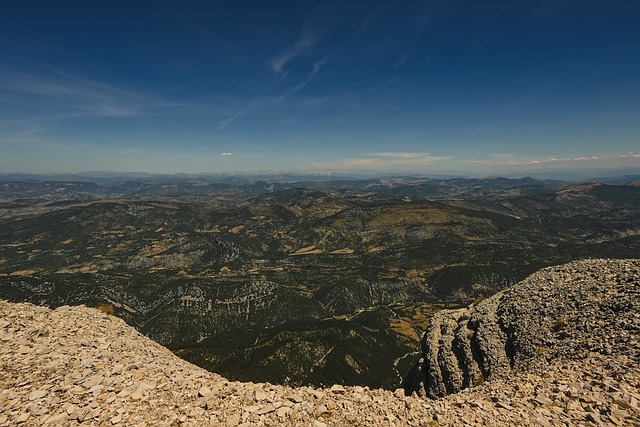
x=368 y=86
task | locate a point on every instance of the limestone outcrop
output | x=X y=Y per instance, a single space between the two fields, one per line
x=577 y=311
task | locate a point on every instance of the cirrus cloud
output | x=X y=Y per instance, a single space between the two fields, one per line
x=303 y=44
x=512 y=162
x=383 y=161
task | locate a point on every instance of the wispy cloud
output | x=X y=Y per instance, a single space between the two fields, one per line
x=291 y=91
x=30 y=132
x=314 y=102
x=223 y=124
x=75 y=96
x=404 y=155
x=400 y=61
x=302 y=45
x=512 y=162
x=317 y=65
x=630 y=155
x=384 y=161
x=497 y=163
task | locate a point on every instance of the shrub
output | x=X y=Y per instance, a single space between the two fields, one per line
x=478 y=300
x=479 y=379
x=559 y=324
x=106 y=309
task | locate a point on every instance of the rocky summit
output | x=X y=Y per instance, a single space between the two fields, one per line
x=560 y=348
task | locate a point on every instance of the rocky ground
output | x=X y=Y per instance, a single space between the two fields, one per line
x=78 y=366
x=580 y=310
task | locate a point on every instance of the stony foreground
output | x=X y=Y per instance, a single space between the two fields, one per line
x=77 y=366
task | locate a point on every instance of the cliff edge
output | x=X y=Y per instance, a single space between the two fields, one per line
x=77 y=366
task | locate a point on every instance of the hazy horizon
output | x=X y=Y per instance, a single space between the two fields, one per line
x=436 y=88
x=292 y=176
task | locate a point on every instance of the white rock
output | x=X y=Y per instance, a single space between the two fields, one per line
x=37 y=394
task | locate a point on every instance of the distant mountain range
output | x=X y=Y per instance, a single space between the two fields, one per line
x=106 y=178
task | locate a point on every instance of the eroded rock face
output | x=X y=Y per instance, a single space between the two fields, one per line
x=569 y=313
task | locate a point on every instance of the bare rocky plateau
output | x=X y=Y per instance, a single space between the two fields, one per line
x=559 y=348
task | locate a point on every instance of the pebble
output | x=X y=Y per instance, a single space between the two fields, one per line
x=261 y=395
x=37 y=394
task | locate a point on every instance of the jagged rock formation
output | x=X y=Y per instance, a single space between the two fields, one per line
x=572 y=312
x=77 y=366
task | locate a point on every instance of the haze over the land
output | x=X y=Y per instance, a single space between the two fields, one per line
x=432 y=87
